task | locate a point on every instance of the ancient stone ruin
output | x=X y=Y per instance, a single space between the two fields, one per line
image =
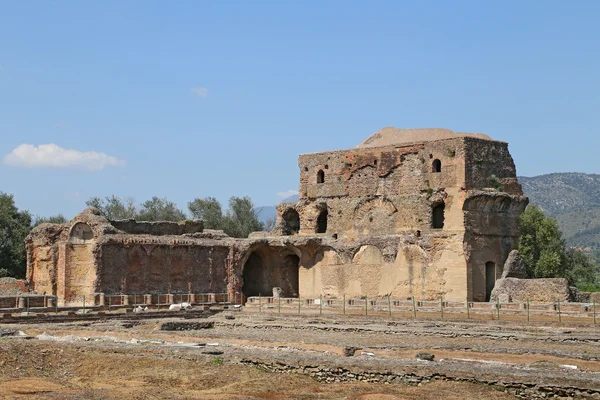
x=428 y=213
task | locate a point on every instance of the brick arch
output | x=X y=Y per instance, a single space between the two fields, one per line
x=374 y=216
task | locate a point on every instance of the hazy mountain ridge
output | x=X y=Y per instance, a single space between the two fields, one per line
x=558 y=193
x=266 y=213
x=573 y=199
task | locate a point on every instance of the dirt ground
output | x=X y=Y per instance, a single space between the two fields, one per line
x=136 y=360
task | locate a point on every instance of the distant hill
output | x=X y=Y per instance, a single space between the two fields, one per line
x=266 y=213
x=573 y=199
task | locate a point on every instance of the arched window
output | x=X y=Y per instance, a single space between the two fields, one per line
x=81 y=233
x=320 y=176
x=291 y=219
x=322 y=222
x=437 y=216
x=436 y=166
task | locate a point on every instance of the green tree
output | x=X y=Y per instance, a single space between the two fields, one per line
x=583 y=270
x=543 y=249
x=113 y=207
x=14 y=228
x=54 y=219
x=209 y=210
x=160 y=209
x=241 y=218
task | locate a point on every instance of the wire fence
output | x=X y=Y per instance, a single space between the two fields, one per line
x=114 y=301
x=412 y=308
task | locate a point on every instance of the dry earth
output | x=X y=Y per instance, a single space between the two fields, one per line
x=235 y=358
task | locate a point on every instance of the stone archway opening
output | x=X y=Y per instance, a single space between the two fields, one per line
x=253 y=276
x=267 y=268
x=436 y=166
x=290 y=268
x=437 y=216
x=291 y=220
x=490 y=279
x=79 y=267
x=322 y=222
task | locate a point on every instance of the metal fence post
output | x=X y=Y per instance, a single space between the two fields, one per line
x=321 y=305
x=389 y=306
x=498 y=307
x=468 y=311
x=527 y=310
x=84 y=304
x=414 y=308
x=559 y=317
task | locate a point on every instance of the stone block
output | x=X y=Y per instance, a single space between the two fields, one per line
x=533 y=290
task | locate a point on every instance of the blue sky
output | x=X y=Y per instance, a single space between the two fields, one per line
x=192 y=99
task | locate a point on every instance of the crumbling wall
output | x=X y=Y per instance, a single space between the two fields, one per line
x=426 y=267
x=42 y=257
x=491 y=233
x=145 y=265
x=490 y=165
x=533 y=290
x=380 y=191
x=158 y=228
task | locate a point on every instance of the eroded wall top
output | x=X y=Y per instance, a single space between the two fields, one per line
x=390 y=136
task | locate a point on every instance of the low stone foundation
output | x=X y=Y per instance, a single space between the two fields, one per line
x=337 y=374
x=533 y=290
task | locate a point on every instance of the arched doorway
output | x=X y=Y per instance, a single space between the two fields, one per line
x=490 y=279
x=436 y=166
x=322 y=222
x=291 y=220
x=289 y=275
x=80 y=271
x=267 y=268
x=253 y=276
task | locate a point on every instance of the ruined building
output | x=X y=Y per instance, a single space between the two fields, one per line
x=427 y=213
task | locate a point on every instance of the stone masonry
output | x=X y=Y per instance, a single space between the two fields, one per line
x=428 y=213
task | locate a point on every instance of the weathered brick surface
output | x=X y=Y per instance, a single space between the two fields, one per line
x=365 y=225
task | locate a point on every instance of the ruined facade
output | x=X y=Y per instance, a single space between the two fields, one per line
x=424 y=213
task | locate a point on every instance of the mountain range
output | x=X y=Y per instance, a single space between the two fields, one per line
x=572 y=198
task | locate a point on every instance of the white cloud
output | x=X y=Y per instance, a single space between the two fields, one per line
x=200 y=91
x=287 y=193
x=53 y=156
